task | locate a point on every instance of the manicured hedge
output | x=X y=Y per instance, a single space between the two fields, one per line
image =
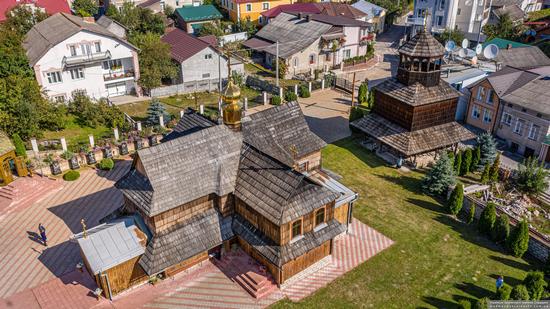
x=106 y=164
x=71 y=176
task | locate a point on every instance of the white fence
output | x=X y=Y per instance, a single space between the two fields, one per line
x=188 y=87
x=233 y=37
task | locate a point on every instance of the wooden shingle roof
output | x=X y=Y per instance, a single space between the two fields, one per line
x=410 y=143
x=184 y=169
x=184 y=240
x=417 y=94
x=190 y=122
x=424 y=45
x=276 y=131
x=277 y=192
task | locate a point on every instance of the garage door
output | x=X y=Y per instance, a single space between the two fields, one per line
x=116 y=89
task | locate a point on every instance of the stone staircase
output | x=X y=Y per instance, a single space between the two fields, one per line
x=7 y=194
x=24 y=191
x=248 y=273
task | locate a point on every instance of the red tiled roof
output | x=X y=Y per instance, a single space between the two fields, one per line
x=210 y=39
x=184 y=45
x=51 y=6
x=325 y=8
x=296 y=7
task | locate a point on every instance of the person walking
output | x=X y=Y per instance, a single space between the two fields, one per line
x=499 y=282
x=42 y=231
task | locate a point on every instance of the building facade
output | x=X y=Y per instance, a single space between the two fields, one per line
x=483 y=106
x=70 y=55
x=239 y=10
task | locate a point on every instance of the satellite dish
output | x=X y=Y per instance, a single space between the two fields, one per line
x=465 y=43
x=479 y=49
x=490 y=51
x=462 y=53
x=450 y=46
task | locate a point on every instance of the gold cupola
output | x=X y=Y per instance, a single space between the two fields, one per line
x=231 y=110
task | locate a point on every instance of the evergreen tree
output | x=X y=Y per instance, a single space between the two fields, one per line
x=362 y=96
x=532 y=177
x=451 y=158
x=440 y=177
x=535 y=284
x=488 y=149
x=486 y=174
x=487 y=219
x=503 y=293
x=520 y=292
x=456 y=199
x=502 y=228
x=466 y=162
x=472 y=214
x=156 y=109
x=458 y=163
x=19 y=145
x=475 y=159
x=518 y=241
x=370 y=95
x=493 y=172
x=482 y=303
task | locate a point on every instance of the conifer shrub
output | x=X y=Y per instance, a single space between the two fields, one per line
x=487 y=219
x=456 y=199
x=502 y=228
x=535 y=284
x=71 y=175
x=518 y=241
x=503 y=293
x=106 y=164
x=519 y=292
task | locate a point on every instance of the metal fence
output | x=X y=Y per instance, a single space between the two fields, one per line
x=344 y=84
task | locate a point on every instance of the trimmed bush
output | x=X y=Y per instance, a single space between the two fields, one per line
x=71 y=176
x=520 y=292
x=535 y=284
x=106 y=164
x=458 y=163
x=276 y=100
x=304 y=92
x=472 y=214
x=487 y=220
x=486 y=174
x=464 y=304
x=20 y=149
x=518 y=241
x=456 y=199
x=504 y=292
x=502 y=229
x=466 y=162
x=475 y=159
x=290 y=96
x=482 y=303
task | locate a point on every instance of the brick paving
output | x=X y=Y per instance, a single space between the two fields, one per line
x=24 y=262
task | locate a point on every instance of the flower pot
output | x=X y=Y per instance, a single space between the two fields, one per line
x=55 y=168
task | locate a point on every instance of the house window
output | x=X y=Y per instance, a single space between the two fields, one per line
x=490 y=99
x=249 y=7
x=162 y=6
x=507 y=119
x=206 y=75
x=487 y=116
x=320 y=216
x=77 y=73
x=311 y=59
x=112 y=65
x=534 y=132
x=97 y=46
x=79 y=92
x=480 y=93
x=208 y=56
x=265 y=6
x=295 y=62
x=442 y=5
x=86 y=49
x=439 y=20
x=347 y=53
x=296 y=228
x=475 y=112
x=54 y=77
x=518 y=129
x=302 y=167
x=458 y=11
x=59 y=99
x=260 y=20
x=72 y=48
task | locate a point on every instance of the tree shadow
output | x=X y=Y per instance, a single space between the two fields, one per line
x=363 y=154
x=508 y=280
x=438 y=303
x=61 y=258
x=329 y=129
x=122 y=166
x=435 y=207
x=408 y=183
x=474 y=290
x=512 y=263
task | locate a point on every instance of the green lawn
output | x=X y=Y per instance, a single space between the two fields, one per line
x=435 y=259
x=75 y=134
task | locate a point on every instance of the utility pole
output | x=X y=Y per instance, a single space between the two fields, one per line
x=353 y=90
x=277 y=63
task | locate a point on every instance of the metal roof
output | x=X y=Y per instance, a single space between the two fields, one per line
x=109 y=244
x=372 y=10
x=198 y=13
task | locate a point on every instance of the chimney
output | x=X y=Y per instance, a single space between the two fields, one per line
x=308 y=18
x=89 y=19
x=509 y=46
x=300 y=15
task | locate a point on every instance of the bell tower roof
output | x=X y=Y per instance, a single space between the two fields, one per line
x=422 y=45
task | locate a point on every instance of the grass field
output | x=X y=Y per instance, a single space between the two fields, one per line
x=75 y=134
x=435 y=260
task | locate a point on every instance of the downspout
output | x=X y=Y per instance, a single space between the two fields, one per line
x=101 y=274
x=238 y=12
x=350 y=212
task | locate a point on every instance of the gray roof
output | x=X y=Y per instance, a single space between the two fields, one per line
x=57 y=28
x=345 y=194
x=514 y=12
x=293 y=34
x=108 y=245
x=190 y=122
x=184 y=169
x=276 y=130
x=372 y=10
x=417 y=94
x=533 y=95
x=523 y=57
x=277 y=192
x=423 y=44
x=184 y=240
x=410 y=143
x=112 y=25
x=280 y=255
x=509 y=79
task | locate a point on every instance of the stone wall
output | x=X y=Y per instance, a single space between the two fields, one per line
x=539 y=247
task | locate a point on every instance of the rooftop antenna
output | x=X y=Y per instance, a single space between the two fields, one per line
x=84 y=231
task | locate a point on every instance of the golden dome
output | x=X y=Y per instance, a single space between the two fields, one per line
x=232 y=90
x=231 y=110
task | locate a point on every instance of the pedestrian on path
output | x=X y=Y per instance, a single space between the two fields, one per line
x=42 y=231
x=499 y=282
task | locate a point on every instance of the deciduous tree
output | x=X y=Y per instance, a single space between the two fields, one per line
x=532 y=177
x=85 y=8
x=155 y=60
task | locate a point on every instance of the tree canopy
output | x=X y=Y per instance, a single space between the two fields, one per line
x=138 y=20
x=504 y=29
x=155 y=60
x=21 y=19
x=85 y=8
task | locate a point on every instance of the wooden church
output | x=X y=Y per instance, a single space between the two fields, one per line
x=414 y=113
x=254 y=182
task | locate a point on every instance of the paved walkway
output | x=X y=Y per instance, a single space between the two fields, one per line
x=26 y=263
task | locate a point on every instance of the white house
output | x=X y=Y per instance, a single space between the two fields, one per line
x=376 y=15
x=72 y=55
x=200 y=64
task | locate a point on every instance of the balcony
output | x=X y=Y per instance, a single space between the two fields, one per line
x=69 y=61
x=415 y=21
x=118 y=75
